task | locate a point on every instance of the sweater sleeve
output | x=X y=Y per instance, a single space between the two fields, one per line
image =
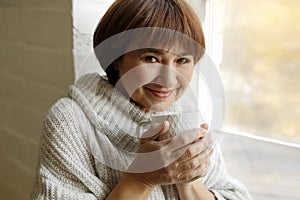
x=66 y=168
x=221 y=184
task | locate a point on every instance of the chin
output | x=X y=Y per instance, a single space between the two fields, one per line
x=160 y=107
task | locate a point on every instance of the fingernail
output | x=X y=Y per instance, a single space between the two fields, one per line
x=166 y=123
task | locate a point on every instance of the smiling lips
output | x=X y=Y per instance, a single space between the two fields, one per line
x=160 y=94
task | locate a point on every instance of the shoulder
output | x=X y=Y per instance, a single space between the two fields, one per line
x=65 y=111
x=65 y=119
x=65 y=105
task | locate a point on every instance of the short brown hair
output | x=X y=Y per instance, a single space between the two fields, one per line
x=125 y=15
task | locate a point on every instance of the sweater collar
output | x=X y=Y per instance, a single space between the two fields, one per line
x=110 y=112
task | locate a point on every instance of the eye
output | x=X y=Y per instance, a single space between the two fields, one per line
x=150 y=59
x=183 y=60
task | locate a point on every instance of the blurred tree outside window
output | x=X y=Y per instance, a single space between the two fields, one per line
x=261 y=67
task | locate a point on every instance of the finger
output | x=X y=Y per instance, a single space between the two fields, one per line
x=196 y=148
x=176 y=146
x=204 y=126
x=155 y=131
x=199 y=149
x=195 y=162
x=183 y=140
x=191 y=175
x=206 y=153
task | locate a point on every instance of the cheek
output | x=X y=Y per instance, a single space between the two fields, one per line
x=138 y=95
x=124 y=69
x=140 y=98
x=136 y=77
x=185 y=76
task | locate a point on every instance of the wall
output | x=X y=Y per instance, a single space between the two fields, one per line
x=86 y=15
x=36 y=68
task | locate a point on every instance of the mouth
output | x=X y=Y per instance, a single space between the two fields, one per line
x=162 y=94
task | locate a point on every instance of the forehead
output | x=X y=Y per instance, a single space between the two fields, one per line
x=159 y=38
x=178 y=52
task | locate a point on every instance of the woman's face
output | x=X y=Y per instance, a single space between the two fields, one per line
x=153 y=78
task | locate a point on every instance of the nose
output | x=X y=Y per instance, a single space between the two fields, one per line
x=168 y=76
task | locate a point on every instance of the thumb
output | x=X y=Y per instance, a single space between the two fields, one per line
x=155 y=131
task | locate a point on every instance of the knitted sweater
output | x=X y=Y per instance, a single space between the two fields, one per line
x=84 y=148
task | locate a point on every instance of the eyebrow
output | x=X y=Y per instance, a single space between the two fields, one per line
x=161 y=52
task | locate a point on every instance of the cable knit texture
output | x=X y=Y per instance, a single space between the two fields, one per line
x=89 y=137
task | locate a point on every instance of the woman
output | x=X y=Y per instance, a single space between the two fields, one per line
x=90 y=148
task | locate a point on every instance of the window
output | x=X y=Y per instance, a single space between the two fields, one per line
x=256 y=45
x=260 y=65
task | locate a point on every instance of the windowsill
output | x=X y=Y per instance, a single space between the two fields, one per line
x=269 y=168
x=261 y=138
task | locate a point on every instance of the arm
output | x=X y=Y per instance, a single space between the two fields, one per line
x=65 y=167
x=194 y=190
x=129 y=187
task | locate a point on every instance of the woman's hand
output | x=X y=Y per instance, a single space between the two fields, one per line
x=176 y=160
x=202 y=157
x=194 y=189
